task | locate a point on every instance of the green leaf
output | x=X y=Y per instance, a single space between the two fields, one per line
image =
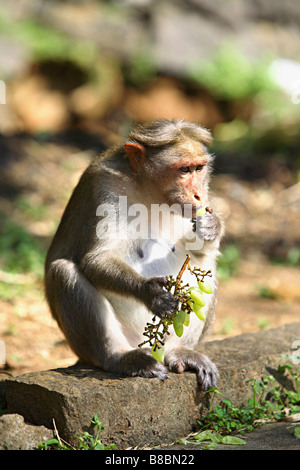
x=233 y=440
x=208 y=436
x=297 y=432
x=98 y=446
x=210 y=446
x=203 y=436
x=215 y=390
x=51 y=442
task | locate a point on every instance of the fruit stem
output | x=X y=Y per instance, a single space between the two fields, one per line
x=180 y=274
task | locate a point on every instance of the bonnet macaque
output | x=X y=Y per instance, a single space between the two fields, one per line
x=130 y=222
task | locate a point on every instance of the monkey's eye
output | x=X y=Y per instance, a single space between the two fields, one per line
x=199 y=167
x=184 y=169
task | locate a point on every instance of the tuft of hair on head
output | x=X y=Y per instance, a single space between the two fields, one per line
x=162 y=132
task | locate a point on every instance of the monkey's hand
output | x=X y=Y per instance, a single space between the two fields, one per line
x=207 y=226
x=158 y=300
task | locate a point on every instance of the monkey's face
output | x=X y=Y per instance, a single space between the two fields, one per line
x=176 y=174
x=186 y=179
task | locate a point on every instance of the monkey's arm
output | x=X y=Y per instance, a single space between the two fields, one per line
x=107 y=271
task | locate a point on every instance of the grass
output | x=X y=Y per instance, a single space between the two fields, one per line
x=20 y=252
x=269 y=403
x=46 y=43
x=22 y=259
x=228 y=263
x=86 y=441
x=230 y=75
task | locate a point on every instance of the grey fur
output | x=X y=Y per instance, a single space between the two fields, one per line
x=102 y=291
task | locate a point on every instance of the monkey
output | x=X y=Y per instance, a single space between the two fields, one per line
x=106 y=267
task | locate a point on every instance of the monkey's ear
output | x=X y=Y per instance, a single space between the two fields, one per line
x=136 y=154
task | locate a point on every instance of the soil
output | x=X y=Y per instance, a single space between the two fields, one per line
x=262 y=219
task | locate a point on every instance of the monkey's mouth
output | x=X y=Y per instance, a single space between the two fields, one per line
x=194 y=210
x=183 y=206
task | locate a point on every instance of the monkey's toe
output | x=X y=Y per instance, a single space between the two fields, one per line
x=140 y=363
x=177 y=367
x=207 y=376
x=186 y=359
x=155 y=370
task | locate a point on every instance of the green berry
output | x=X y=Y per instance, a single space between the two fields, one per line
x=178 y=329
x=180 y=317
x=200 y=211
x=199 y=311
x=205 y=287
x=187 y=319
x=197 y=296
x=178 y=323
x=158 y=353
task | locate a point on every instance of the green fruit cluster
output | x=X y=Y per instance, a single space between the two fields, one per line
x=190 y=300
x=196 y=302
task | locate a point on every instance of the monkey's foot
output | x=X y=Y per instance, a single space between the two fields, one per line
x=185 y=359
x=139 y=362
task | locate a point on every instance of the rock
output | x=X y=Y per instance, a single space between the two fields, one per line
x=93 y=101
x=39 y=107
x=14 y=58
x=15 y=434
x=182 y=37
x=139 y=412
x=177 y=33
x=10 y=122
x=166 y=97
x=273 y=436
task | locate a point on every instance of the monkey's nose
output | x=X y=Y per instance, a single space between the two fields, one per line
x=197 y=197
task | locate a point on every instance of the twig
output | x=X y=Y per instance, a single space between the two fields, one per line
x=180 y=274
x=58 y=436
x=56 y=432
x=291 y=418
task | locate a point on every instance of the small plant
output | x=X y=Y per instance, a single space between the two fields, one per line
x=263 y=323
x=269 y=402
x=266 y=292
x=230 y=76
x=227 y=326
x=86 y=442
x=190 y=299
x=211 y=440
x=228 y=263
x=141 y=68
x=20 y=252
x=296 y=430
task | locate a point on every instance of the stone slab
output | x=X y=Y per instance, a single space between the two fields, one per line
x=144 y=412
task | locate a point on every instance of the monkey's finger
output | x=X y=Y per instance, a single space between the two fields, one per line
x=163 y=281
x=194 y=224
x=207 y=375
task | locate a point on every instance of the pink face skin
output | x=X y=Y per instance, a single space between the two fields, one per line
x=190 y=175
x=183 y=179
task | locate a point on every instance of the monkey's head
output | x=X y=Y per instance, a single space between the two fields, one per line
x=172 y=159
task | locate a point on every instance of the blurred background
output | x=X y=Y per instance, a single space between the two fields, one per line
x=76 y=75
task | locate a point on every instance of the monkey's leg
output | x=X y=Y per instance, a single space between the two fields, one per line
x=90 y=325
x=179 y=360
